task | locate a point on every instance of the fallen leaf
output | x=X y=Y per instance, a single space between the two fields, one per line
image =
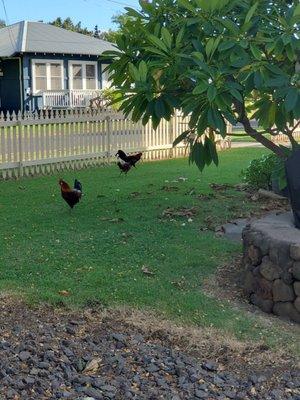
x=112 y=219
x=135 y=194
x=170 y=188
x=147 y=271
x=182 y=178
x=64 y=293
x=92 y=366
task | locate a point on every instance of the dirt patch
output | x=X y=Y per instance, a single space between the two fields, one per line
x=179 y=212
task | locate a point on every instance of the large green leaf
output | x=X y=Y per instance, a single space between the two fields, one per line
x=157 y=42
x=166 y=37
x=211 y=93
x=200 y=88
x=181 y=137
x=226 y=45
x=186 y=4
x=291 y=99
x=251 y=12
x=143 y=70
x=255 y=51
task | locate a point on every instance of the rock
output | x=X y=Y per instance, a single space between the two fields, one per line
x=269 y=270
x=264 y=288
x=277 y=394
x=230 y=394
x=249 y=283
x=297 y=303
x=286 y=310
x=70 y=330
x=91 y=392
x=264 y=304
x=287 y=277
x=24 y=355
x=119 y=337
x=297 y=288
x=295 y=252
x=34 y=371
x=282 y=291
x=296 y=270
x=43 y=365
x=152 y=368
x=11 y=394
x=210 y=366
x=279 y=253
x=254 y=254
x=29 y=380
x=200 y=394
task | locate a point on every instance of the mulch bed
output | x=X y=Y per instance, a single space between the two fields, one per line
x=48 y=353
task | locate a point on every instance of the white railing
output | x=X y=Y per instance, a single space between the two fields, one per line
x=71 y=98
x=50 y=141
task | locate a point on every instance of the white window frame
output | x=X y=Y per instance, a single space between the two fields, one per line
x=83 y=64
x=48 y=73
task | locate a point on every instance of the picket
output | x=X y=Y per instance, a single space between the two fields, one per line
x=49 y=141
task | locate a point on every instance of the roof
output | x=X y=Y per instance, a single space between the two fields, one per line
x=37 y=37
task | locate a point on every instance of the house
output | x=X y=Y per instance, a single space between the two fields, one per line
x=43 y=66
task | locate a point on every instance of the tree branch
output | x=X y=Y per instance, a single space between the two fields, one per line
x=244 y=120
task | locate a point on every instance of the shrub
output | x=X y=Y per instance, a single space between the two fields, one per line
x=114 y=98
x=264 y=171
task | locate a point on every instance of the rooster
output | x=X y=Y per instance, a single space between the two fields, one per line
x=132 y=160
x=124 y=167
x=71 y=196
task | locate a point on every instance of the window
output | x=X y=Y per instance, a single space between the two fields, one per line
x=77 y=76
x=83 y=75
x=40 y=76
x=90 y=76
x=56 y=74
x=47 y=75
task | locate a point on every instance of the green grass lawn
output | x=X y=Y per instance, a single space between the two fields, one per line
x=244 y=137
x=96 y=251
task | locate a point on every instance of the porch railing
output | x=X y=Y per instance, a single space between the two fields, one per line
x=71 y=98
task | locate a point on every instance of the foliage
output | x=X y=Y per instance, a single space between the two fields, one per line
x=113 y=97
x=98 y=258
x=259 y=172
x=76 y=27
x=216 y=61
x=2 y=23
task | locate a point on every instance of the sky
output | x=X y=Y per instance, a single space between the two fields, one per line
x=89 y=12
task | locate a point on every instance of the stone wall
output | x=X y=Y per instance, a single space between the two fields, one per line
x=272 y=265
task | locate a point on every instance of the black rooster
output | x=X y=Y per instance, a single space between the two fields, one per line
x=132 y=160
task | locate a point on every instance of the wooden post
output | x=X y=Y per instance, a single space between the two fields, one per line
x=171 y=136
x=19 y=124
x=108 y=129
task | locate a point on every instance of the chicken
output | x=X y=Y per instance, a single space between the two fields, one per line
x=124 y=166
x=132 y=160
x=71 y=196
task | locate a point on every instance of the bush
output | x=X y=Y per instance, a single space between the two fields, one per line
x=262 y=172
x=110 y=95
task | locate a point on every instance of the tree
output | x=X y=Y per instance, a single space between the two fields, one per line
x=217 y=61
x=2 y=23
x=71 y=26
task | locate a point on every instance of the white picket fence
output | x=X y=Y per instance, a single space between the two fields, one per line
x=51 y=141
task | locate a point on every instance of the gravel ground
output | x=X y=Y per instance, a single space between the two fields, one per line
x=61 y=354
